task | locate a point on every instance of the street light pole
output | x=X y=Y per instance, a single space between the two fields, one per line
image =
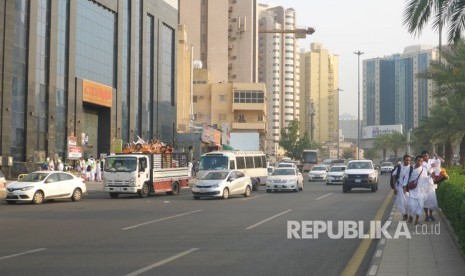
x=337 y=130
x=358 y=53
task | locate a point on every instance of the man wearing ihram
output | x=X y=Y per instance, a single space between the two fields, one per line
x=416 y=184
x=398 y=184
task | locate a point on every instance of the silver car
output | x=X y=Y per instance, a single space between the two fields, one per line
x=222 y=184
x=318 y=172
x=335 y=174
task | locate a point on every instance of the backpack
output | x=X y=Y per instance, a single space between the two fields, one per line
x=89 y=168
x=394 y=178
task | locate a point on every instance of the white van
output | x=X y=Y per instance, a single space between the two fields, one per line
x=251 y=163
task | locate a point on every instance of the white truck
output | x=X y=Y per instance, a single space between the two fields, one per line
x=145 y=174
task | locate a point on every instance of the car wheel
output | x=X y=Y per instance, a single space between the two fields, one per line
x=225 y=193
x=247 y=191
x=196 y=197
x=268 y=190
x=11 y=201
x=114 y=195
x=38 y=197
x=77 y=195
x=144 y=192
x=255 y=185
x=344 y=189
x=373 y=188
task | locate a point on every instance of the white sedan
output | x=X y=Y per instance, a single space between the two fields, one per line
x=285 y=179
x=335 y=174
x=39 y=186
x=222 y=183
x=318 y=172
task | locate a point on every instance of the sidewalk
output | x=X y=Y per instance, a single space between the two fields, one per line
x=432 y=250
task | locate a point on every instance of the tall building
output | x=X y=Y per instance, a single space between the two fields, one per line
x=278 y=65
x=319 y=111
x=223 y=33
x=394 y=91
x=84 y=73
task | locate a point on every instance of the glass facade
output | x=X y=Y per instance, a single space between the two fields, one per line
x=370 y=90
x=422 y=83
x=166 y=111
x=136 y=97
x=62 y=79
x=149 y=79
x=42 y=72
x=387 y=93
x=95 y=43
x=19 y=80
x=126 y=17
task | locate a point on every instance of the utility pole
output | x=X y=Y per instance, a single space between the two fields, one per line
x=358 y=53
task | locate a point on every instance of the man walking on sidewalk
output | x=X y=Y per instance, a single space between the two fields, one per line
x=398 y=175
x=419 y=177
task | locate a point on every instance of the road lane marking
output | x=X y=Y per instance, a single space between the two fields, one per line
x=162 y=262
x=161 y=219
x=253 y=197
x=22 y=253
x=268 y=219
x=359 y=254
x=323 y=196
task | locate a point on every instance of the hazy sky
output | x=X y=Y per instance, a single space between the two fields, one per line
x=345 y=26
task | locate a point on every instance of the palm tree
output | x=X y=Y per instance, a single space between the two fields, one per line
x=397 y=141
x=451 y=12
x=383 y=142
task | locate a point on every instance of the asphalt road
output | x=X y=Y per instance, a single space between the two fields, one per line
x=176 y=235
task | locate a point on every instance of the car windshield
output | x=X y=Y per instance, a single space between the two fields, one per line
x=284 y=172
x=120 y=164
x=319 y=169
x=286 y=165
x=215 y=175
x=359 y=165
x=34 y=177
x=337 y=169
x=213 y=162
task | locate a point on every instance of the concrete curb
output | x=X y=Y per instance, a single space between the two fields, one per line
x=454 y=236
x=376 y=260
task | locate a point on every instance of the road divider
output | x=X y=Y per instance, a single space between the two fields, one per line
x=160 y=219
x=162 y=262
x=22 y=253
x=268 y=219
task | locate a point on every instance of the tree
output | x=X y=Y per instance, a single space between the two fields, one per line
x=292 y=144
x=371 y=154
x=444 y=12
x=382 y=142
x=397 y=141
x=347 y=154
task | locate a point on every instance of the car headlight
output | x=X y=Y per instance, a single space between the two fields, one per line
x=132 y=182
x=27 y=188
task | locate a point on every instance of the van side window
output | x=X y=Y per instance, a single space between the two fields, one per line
x=264 y=165
x=249 y=162
x=232 y=165
x=240 y=163
x=258 y=162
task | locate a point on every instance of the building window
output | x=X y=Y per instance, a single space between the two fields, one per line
x=249 y=96
x=194 y=99
x=260 y=118
x=222 y=98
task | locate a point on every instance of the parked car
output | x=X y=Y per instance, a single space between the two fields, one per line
x=222 y=184
x=285 y=179
x=39 y=186
x=360 y=174
x=386 y=167
x=318 y=172
x=335 y=174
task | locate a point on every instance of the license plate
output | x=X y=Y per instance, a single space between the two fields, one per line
x=202 y=190
x=358 y=180
x=10 y=194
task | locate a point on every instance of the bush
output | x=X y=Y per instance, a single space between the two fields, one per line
x=451 y=199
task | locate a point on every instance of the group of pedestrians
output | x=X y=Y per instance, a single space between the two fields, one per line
x=49 y=165
x=414 y=187
x=91 y=168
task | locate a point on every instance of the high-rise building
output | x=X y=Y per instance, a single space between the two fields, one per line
x=278 y=65
x=394 y=91
x=84 y=73
x=224 y=36
x=319 y=78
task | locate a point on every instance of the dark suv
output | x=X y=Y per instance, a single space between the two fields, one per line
x=360 y=174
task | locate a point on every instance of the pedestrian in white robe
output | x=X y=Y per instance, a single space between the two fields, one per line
x=399 y=173
x=416 y=195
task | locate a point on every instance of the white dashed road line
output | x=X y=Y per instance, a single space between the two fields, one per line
x=268 y=219
x=22 y=253
x=162 y=262
x=161 y=219
x=323 y=196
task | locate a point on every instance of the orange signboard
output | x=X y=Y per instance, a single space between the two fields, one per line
x=96 y=93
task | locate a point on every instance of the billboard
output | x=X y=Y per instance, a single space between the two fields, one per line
x=371 y=132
